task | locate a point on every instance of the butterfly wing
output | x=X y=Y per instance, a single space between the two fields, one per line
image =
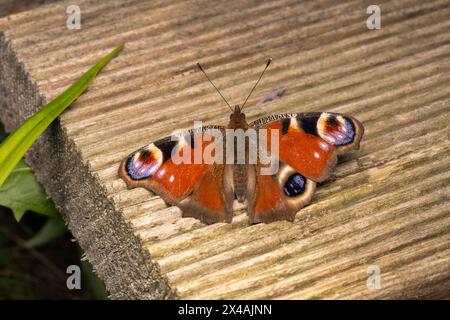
x=174 y=169
x=212 y=198
x=279 y=196
x=308 y=145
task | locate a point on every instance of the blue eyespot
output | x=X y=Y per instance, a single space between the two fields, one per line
x=337 y=132
x=295 y=185
x=144 y=166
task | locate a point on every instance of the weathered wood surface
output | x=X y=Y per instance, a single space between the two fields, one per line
x=386 y=205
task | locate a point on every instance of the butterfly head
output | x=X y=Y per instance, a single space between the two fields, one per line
x=237 y=118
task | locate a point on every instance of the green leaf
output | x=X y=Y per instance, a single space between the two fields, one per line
x=18 y=142
x=21 y=192
x=95 y=286
x=54 y=228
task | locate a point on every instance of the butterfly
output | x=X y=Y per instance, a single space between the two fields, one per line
x=307 y=148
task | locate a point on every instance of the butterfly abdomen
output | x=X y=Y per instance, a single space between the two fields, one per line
x=240 y=182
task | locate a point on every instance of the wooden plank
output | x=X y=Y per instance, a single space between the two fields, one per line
x=386 y=205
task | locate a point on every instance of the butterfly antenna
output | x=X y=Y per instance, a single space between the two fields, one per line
x=267 y=65
x=201 y=69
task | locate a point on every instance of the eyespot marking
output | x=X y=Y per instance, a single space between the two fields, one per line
x=336 y=129
x=144 y=163
x=295 y=185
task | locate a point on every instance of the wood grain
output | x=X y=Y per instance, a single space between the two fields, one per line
x=386 y=205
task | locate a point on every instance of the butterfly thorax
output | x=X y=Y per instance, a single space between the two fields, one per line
x=240 y=177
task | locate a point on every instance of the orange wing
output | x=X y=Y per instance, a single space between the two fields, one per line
x=212 y=199
x=173 y=170
x=310 y=142
x=279 y=196
x=308 y=147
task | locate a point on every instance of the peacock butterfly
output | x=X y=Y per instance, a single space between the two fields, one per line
x=307 y=146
